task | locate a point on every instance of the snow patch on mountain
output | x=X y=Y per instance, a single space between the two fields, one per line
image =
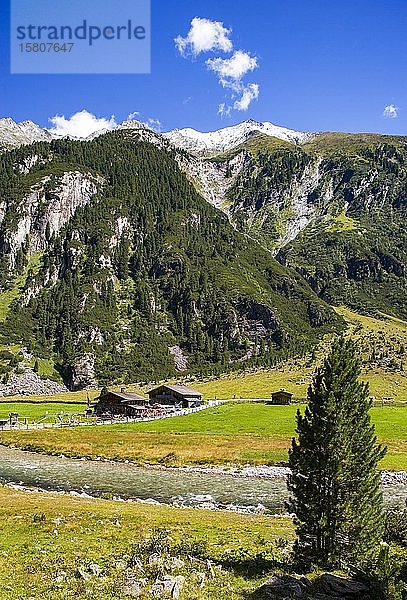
x=224 y=139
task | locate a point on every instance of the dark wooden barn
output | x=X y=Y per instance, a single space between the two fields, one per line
x=280 y=397
x=175 y=395
x=121 y=403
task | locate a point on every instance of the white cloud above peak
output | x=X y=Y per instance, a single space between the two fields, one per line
x=207 y=36
x=391 y=111
x=204 y=36
x=82 y=124
x=249 y=93
x=234 y=68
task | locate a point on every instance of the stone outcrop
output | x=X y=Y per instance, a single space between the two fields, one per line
x=181 y=361
x=47 y=208
x=29 y=383
x=326 y=587
x=82 y=375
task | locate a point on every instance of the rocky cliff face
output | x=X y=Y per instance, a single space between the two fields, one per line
x=44 y=210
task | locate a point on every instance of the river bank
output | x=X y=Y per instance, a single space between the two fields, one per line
x=247 y=489
x=388 y=477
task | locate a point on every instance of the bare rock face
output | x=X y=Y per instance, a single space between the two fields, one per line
x=256 y=319
x=14 y=134
x=181 y=361
x=83 y=373
x=47 y=208
x=29 y=383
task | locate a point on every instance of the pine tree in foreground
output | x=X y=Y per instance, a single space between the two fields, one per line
x=334 y=483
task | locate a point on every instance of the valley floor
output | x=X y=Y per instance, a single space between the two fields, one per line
x=233 y=433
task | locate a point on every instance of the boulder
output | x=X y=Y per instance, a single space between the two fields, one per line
x=341 y=587
x=284 y=586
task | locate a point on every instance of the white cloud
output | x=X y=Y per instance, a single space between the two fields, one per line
x=204 y=36
x=224 y=109
x=133 y=115
x=80 y=125
x=249 y=93
x=391 y=111
x=231 y=70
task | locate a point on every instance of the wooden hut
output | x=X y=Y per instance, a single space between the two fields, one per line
x=121 y=404
x=181 y=396
x=279 y=398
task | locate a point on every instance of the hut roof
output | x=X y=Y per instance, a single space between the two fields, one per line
x=184 y=390
x=126 y=396
x=282 y=392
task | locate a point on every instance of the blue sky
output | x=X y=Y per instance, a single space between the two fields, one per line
x=318 y=66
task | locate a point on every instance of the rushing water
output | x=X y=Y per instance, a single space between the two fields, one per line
x=171 y=486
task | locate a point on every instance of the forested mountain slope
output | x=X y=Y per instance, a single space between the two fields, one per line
x=114 y=268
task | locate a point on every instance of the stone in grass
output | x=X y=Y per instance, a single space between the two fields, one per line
x=210 y=569
x=82 y=573
x=283 y=586
x=341 y=587
x=61 y=576
x=134 y=587
x=157 y=590
x=136 y=564
x=95 y=569
x=155 y=559
x=168 y=586
x=201 y=578
x=173 y=563
x=178 y=585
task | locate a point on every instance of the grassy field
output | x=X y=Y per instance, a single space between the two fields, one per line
x=46 y=538
x=236 y=433
x=296 y=379
x=45 y=412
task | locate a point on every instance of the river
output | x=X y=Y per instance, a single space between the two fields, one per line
x=169 y=486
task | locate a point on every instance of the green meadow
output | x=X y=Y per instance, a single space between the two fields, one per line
x=44 y=412
x=48 y=543
x=234 y=433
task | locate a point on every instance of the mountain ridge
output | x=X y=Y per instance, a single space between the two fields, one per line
x=124 y=226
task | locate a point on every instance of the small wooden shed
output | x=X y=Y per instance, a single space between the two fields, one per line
x=281 y=397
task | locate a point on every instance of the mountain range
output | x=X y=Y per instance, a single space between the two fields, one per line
x=134 y=255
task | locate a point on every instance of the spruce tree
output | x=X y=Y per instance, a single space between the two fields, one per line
x=334 y=484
